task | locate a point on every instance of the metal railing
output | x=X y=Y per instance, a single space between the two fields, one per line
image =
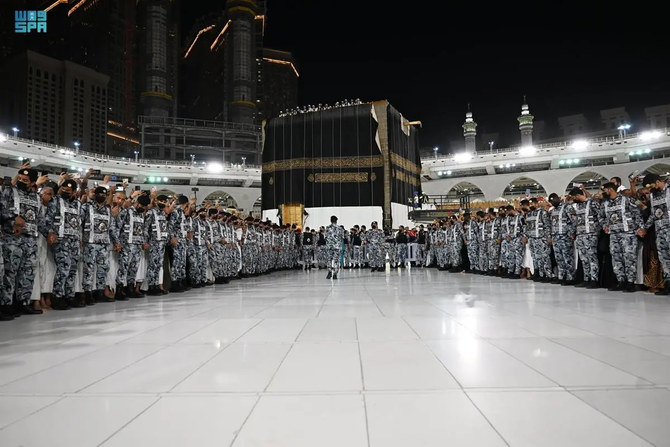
x=196 y=123
x=73 y=152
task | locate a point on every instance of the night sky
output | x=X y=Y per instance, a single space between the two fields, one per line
x=430 y=59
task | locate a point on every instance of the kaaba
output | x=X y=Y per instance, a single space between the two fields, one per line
x=359 y=162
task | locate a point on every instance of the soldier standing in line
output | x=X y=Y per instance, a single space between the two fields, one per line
x=471 y=240
x=505 y=239
x=562 y=237
x=22 y=222
x=321 y=248
x=248 y=249
x=201 y=245
x=155 y=236
x=356 y=247
x=401 y=246
x=588 y=225
x=536 y=232
x=660 y=217
x=128 y=240
x=515 y=244
x=623 y=221
x=63 y=226
x=178 y=234
x=97 y=219
x=457 y=239
x=483 y=242
x=492 y=229
x=334 y=237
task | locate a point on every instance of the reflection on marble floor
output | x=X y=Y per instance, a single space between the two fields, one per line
x=410 y=358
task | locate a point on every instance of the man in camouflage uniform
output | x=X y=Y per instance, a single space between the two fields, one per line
x=21 y=217
x=96 y=217
x=562 y=235
x=456 y=238
x=155 y=236
x=374 y=238
x=471 y=240
x=623 y=221
x=334 y=238
x=588 y=225
x=128 y=240
x=536 y=232
x=483 y=217
x=64 y=234
x=249 y=242
x=493 y=238
x=660 y=217
x=178 y=234
x=514 y=242
x=202 y=246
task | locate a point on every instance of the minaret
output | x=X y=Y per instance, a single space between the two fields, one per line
x=526 y=125
x=469 y=132
x=242 y=66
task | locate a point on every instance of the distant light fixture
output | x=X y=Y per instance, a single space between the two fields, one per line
x=502 y=166
x=448 y=172
x=463 y=157
x=646 y=151
x=561 y=162
x=580 y=145
x=569 y=162
x=508 y=165
x=215 y=168
x=650 y=135
x=527 y=151
x=165 y=179
x=439 y=172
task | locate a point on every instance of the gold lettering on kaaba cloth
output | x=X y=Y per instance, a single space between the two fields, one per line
x=340 y=177
x=373 y=161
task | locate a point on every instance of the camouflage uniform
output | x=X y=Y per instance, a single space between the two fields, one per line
x=249 y=250
x=374 y=239
x=562 y=234
x=129 y=234
x=155 y=234
x=587 y=215
x=178 y=228
x=483 y=247
x=200 y=240
x=307 y=250
x=456 y=244
x=471 y=235
x=97 y=221
x=215 y=253
x=63 y=219
x=334 y=238
x=515 y=245
x=536 y=230
x=192 y=265
x=623 y=218
x=19 y=253
x=660 y=217
x=492 y=228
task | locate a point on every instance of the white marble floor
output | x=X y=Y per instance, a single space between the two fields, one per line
x=407 y=358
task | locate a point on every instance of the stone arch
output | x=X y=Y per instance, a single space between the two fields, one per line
x=224 y=199
x=166 y=192
x=662 y=169
x=590 y=179
x=464 y=188
x=518 y=186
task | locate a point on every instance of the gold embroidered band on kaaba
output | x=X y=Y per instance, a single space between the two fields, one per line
x=339 y=177
x=374 y=161
x=405 y=164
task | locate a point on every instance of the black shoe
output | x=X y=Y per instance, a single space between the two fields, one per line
x=330 y=275
x=629 y=288
x=555 y=281
x=6 y=314
x=665 y=291
x=187 y=286
x=120 y=294
x=196 y=285
x=218 y=280
x=75 y=302
x=616 y=287
x=59 y=304
x=373 y=269
x=570 y=282
x=335 y=276
x=176 y=287
x=88 y=298
x=154 y=291
x=592 y=285
x=100 y=297
x=582 y=284
x=163 y=291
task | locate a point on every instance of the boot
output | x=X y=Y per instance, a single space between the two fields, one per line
x=130 y=292
x=59 y=303
x=582 y=284
x=616 y=287
x=630 y=287
x=163 y=291
x=88 y=298
x=665 y=291
x=120 y=294
x=176 y=287
x=75 y=302
x=330 y=275
x=154 y=291
x=334 y=275
x=100 y=297
x=185 y=285
x=6 y=314
x=592 y=285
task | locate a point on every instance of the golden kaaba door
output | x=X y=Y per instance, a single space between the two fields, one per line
x=292 y=213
